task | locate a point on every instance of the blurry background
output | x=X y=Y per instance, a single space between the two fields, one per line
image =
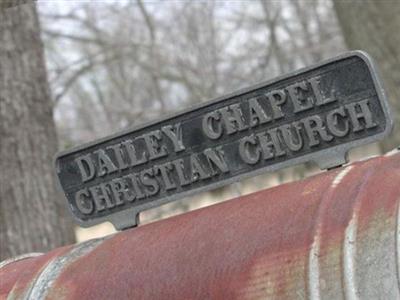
x=114 y=64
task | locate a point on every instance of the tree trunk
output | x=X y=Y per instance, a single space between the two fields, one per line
x=32 y=214
x=374 y=26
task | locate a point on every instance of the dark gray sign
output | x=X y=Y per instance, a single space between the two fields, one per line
x=315 y=114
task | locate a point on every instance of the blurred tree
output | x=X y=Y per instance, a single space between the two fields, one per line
x=127 y=62
x=374 y=26
x=32 y=216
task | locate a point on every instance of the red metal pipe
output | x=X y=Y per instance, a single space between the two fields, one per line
x=333 y=236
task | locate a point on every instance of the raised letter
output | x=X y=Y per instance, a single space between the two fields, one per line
x=135 y=184
x=83 y=201
x=364 y=113
x=155 y=150
x=216 y=159
x=118 y=155
x=120 y=191
x=105 y=165
x=148 y=180
x=293 y=141
x=268 y=144
x=198 y=171
x=101 y=198
x=131 y=150
x=233 y=118
x=332 y=122
x=175 y=136
x=164 y=170
x=210 y=130
x=319 y=98
x=300 y=102
x=315 y=125
x=86 y=167
x=257 y=113
x=179 y=166
x=277 y=98
x=249 y=157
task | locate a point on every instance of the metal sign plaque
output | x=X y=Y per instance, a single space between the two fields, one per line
x=314 y=114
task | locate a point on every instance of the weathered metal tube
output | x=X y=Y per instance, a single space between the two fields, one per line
x=333 y=236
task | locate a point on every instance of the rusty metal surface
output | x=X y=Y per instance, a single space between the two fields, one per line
x=332 y=236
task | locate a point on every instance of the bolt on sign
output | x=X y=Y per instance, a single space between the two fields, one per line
x=314 y=114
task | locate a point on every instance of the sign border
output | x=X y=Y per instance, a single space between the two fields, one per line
x=326 y=158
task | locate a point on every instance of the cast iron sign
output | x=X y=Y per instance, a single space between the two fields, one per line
x=314 y=114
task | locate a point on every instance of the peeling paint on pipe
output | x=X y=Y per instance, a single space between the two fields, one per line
x=332 y=236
